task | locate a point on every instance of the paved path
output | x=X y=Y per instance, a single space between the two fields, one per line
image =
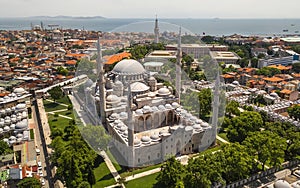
x=57 y=102
x=222 y=140
x=142 y=174
x=67 y=117
x=63 y=110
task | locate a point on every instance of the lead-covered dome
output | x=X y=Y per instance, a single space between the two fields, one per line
x=128 y=67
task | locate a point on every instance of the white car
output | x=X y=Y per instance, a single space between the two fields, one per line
x=39 y=163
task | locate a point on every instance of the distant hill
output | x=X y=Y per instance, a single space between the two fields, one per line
x=67 y=17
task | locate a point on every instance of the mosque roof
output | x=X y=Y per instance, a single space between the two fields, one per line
x=128 y=67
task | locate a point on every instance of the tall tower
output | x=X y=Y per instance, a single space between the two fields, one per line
x=130 y=129
x=216 y=104
x=178 y=67
x=101 y=83
x=156 y=31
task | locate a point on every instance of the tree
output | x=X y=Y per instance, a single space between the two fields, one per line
x=205 y=99
x=4 y=148
x=294 y=112
x=207 y=39
x=61 y=70
x=29 y=183
x=268 y=71
x=95 y=136
x=232 y=108
x=84 y=184
x=203 y=172
x=266 y=146
x=56 y=93
x=171 y=173
x=237 y=162
x=244 y=124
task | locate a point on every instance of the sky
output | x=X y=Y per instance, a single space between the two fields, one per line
x=149 y=8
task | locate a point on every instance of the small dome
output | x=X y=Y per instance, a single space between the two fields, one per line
x=114 y=116
x=113 y=99
x=164 y=91
x=204 y=124
x=175 y=105
x=146 y=139
x=1 y=130
x=137 y=142
x=197 y=126
x=236 y=83
x=147 y=109
x=161 y=107
x=154 y=109
x=282 y=184
x=168 y=106
x=5 y=139
x=21 y=125
x=188 y=128
x=19 y=135
x=21 y=106
x=138 y=87
x=139 y=112
x=6 y=128
x=97 y=99
x=155 y=137
x=123 y=115
x=12 y=126
x=19 y=90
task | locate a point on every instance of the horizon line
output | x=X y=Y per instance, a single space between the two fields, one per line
x=3 y=17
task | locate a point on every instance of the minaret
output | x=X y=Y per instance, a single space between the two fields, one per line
x=130 y=125
x=101 y=83
x=178 y=67
x=216 y=104
x=129 y=120
x=156 y=31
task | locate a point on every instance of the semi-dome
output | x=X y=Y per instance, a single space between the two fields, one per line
x=21 y=106
x=155 y=137
x=138 y=87
x=22 y=125
x=164 y=91
x=113 y=99
x=128 y=67
x=19 y=90
x=282 y=184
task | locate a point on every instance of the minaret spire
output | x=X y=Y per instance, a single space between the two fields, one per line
x=101 y=82
x=216 y=104
x=178 y=67
x=156 y=31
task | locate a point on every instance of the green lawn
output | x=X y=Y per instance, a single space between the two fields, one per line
x=145 y=182
x=103 y=176
x=31 y=134
x=64 y=100
x=57 y=122
x=140 y=170
x=50 y=106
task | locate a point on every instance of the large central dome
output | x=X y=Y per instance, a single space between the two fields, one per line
x=128 y=67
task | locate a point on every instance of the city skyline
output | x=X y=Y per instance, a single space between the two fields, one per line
x=164 y=9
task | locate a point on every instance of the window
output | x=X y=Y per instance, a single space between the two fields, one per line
x=139 y=160
x=149 y=157
x=158 y=155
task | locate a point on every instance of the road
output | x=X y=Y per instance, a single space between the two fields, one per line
x=38 y=144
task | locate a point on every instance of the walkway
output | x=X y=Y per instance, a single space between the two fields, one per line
x=142 y=174
x=56 y=102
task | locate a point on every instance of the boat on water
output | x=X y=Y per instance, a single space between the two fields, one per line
x=285 y=30
x=296 y=31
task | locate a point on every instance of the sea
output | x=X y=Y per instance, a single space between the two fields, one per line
x=214 y=26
